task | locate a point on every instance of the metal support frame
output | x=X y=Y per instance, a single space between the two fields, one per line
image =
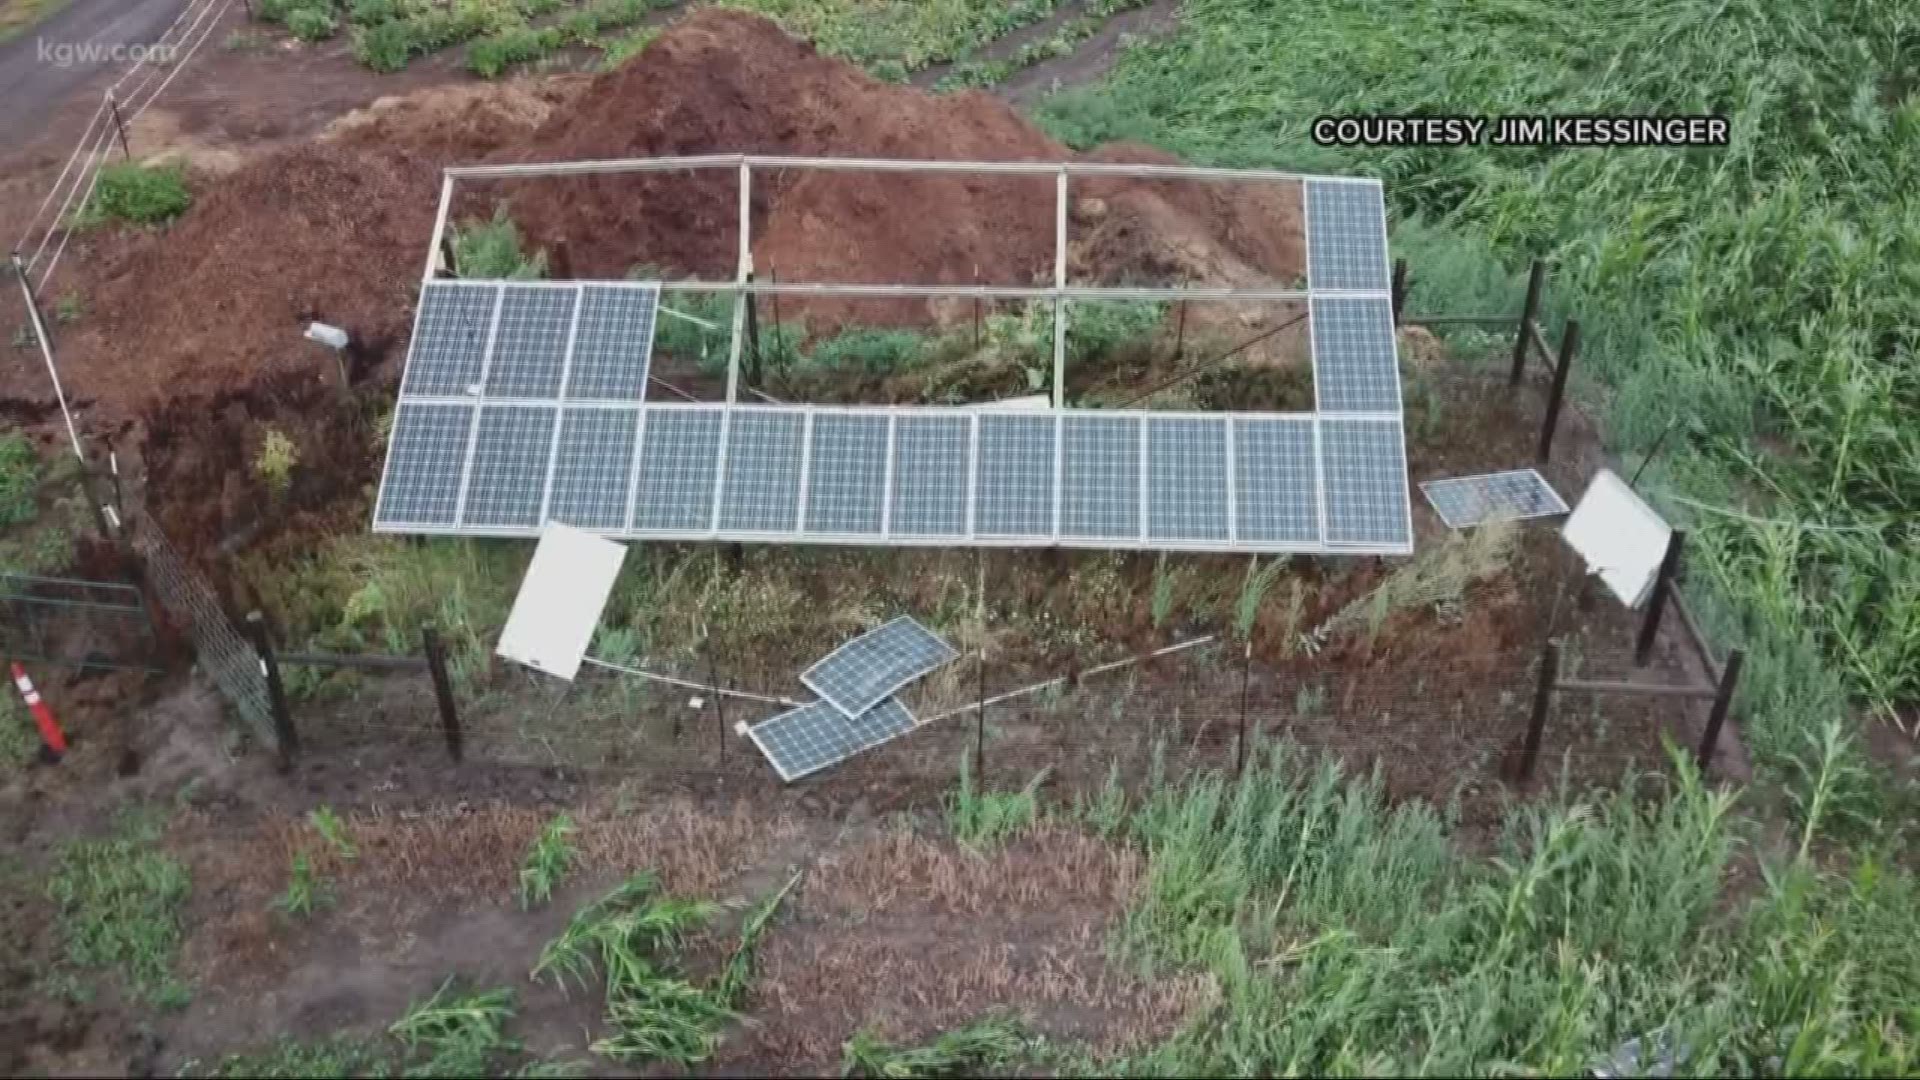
x=284 y=735
x=1722 y=702
x=46 y=353
x=1663 y=584
x=1569 y=341
x=443 y=692
x=1399 y=289
x=1542 y=705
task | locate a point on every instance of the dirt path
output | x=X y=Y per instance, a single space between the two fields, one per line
x=1092 y=58
x=33 y=86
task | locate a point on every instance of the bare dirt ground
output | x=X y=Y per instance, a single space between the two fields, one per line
x=190 y=351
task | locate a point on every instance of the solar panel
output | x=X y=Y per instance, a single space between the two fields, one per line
x=591 y=468
x=762 y=489
x=846 y=481
x=1346 y=235
x=429 y=446
x=1014 y=486
x=679 y=454
x=930 y=476
x=530 y=346
x=613 y=343
x=1364 y=470
x=1465 y=501
x=1355 y=368
x=508 y=476
x=1187 y=479
x=1277 y=491
x=450 y=339
x=860 y=674
x=1100 y=477
x=810 y=738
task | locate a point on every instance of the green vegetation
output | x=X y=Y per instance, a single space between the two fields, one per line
x=19 y=16
x=498 y=34
x=19 y=480
x=306 y=893
x=135 y=194
x=977 y=1049
x=547 y=861
x=1761 y=285
x=118 y=908
x=1348 y=937
x=19 y=741
x=457 y=1034
x=971 y=73
x=291 y=1059
x=986 y=819
x=275 y=462
x=894 y=40
x=493 y=249
x=333 y=832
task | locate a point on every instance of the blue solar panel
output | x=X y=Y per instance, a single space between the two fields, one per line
x=1354 y=365
x=450 y=339
x=803 y=741
x=591 y=469
x=613 y=343
x=762 y=490
x=1014 y=486
x=679 y=455
x=530 y=346
x=1277 y=490
x=1365 y=472
x=1100 y=478
x=509 y=474
x=1187 y=479
x=429 y=447
x=1346 y=235
x=930 y=464
x=846 y=482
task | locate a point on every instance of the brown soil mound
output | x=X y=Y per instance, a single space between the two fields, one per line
x=208 y=315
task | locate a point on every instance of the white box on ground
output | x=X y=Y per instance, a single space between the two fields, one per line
x=1621 y=537
x=560 y=600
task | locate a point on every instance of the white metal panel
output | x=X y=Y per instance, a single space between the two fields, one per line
x=1620 y=536
x=565 y=588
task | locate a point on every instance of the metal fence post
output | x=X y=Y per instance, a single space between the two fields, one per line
x=443 y=692
x=283 y=732
x=1722 y=701
x=1399 y=289
x=1535 y=279
x=980 y=725
x=1657 y=603
x=753 y=338
x=1542 y=703
x=448 y=267
x=120 y=126
x=1180 y=334
x=1569 y=341
x=719 y=699
x=1246 y=683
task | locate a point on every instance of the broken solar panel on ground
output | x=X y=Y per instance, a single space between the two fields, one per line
x=865 y=671
x=805 y=740
x=1466 y=501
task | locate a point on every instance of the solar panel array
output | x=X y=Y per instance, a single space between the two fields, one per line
x=865 y=671
x=523 y=402
x=1465 y=501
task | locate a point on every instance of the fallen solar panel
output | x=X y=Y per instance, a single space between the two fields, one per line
x=805 y=740
x=867 y=670
x=1465 y=501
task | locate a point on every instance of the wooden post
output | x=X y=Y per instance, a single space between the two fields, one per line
x=448 y=267
x=120 y=126
x=1246 y=683
x=1399 y=289
x=1657 y=603
x=1569 y=341
x=976 y=324
x=283 y=733
x=779 y=356
x=1542 y=702
x=1535 y=279
x=753 y=339
x=1722 y=701
x=980 y=725
x=443 y=692
x=1180 y=334
x=719 y=699
x=560 y=262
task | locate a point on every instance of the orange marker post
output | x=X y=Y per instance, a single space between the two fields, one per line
x=50 y=733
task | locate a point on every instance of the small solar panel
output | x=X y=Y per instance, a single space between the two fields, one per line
x=613 y=344
x=428 y=448
x=1187 y=478
x=1277 y=491
x=860 y=674
x=509 y=473
x=1014 y=484
x=450 y=339
x=679 y=454
x=810 y=738
x=930 y=455
x=591 y=468
x=1100 y=478
x=1354 y=362
x=1346 y=235
x=530 y=346
x=762 y=489
x=1364 y=469
x=1465 y=501
x=847 y=476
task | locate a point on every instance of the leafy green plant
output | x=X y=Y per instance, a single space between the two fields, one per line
x=979 y=1048
x=459 y=1033
x=135 y=194
x=18 y=742
x=384 y=46
x=313 y=22
x=334 y=831
x=489 y=57
x=118 y=902
x=547 y=861
x=275 y=462
x=306 y=893
x=492 y=249
x=985 y=819
x=19 y=480
x=1253 y=593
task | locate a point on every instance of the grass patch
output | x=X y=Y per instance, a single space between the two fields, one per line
x=455 y=1033
x=969 y=73
x=894 y=40
x=134 y=194
x=977 y=1049
x=986 y=819
x=19 y=740
x=118 y=902
x=290 y=1059
x=19 y=480
x=493 y=249
x=306 y=891
x=547 y=861
x=1720 y=291
x=19 y=16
